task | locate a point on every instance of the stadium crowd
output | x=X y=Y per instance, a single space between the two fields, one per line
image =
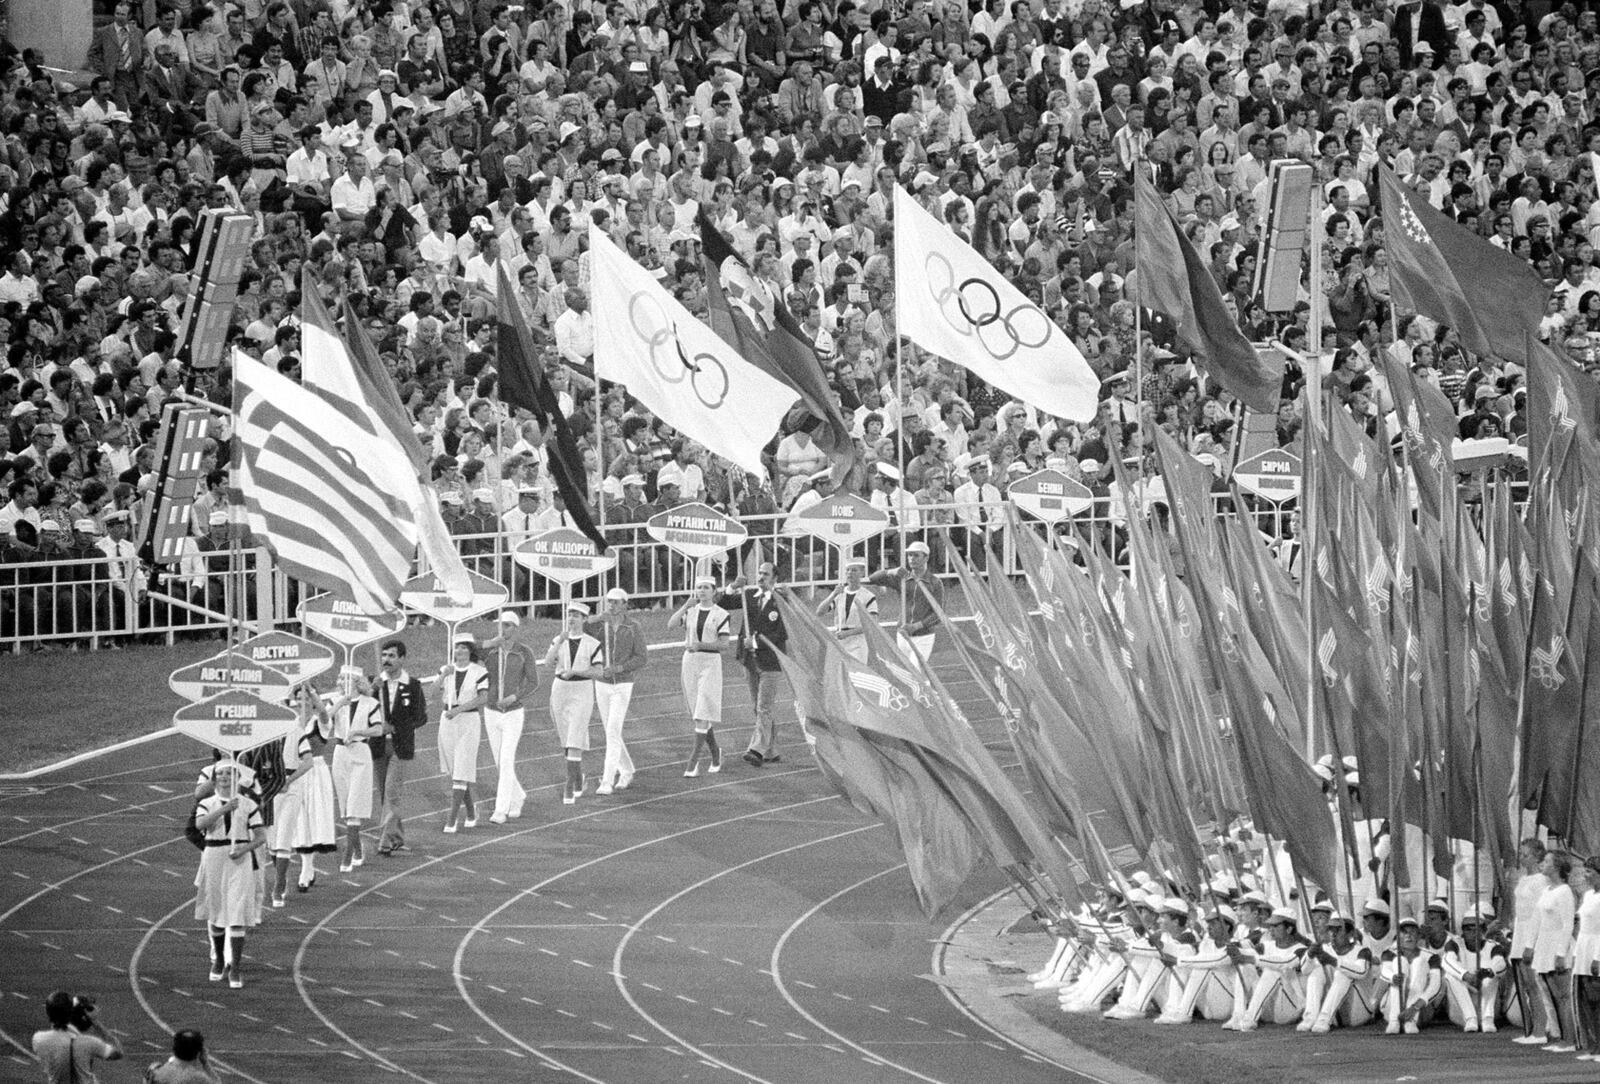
x=403 y=152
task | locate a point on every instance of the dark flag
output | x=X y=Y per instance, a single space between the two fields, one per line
x=523 y=385
x=1443 y=270
x=778 y=347
x=1174 y=280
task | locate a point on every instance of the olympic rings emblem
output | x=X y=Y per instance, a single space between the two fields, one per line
x=972 y=307
x=707 y=376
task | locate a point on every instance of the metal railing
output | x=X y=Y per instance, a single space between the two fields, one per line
x=81 y=603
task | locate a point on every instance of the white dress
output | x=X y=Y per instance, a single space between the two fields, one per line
x=1557 y=909
x=572 y=701
x=1586 y=949
x=460 y=737
x=705 y=627
x=352 y=757
x=227 y=890
x=303 y=816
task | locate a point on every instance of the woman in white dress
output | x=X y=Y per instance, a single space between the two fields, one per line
x=705 y=641
x=464 y=690
x=357 y=718
x=1586 y=959
x=576 y=657
x=1552 y=951
x=303 y=815
x=228 y=895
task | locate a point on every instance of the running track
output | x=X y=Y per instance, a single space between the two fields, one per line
x=747 y=926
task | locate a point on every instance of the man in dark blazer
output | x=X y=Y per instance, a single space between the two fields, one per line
x=117 y=52
x=405 y=711
x=761 y=639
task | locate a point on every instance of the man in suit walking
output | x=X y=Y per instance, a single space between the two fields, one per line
x=405 y=710
x=117 y=52
x=761 y=640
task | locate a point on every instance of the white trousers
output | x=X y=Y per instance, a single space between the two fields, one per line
x=613 y=699
x=504 y=729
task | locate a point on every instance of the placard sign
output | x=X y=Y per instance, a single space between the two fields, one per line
x=235 y=721
x=344 y=623
x=563 y=555
x=843 y=520
x=696 y=531
x=227 y=672
x=1050 y=495
x=1271 y=475
x=426 y=595
x=295 y=657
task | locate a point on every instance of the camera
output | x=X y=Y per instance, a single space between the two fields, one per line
x=82 y=1012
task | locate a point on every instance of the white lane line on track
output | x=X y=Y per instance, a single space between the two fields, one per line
x=622 y=945
x=534 y=890
x=473 y=848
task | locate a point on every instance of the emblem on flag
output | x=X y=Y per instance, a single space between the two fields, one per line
x=1412 y=224
x=985 y=633
x=1546 y=668
x=887 y=694
x=1326 y=647
x=1561 y=410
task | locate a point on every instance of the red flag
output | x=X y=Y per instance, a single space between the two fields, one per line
x=1443 y=270
x=1175 y=281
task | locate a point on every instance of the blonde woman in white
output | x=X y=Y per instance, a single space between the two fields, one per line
x=357 y=719
x=1552 y=951
x=464 y=690
x=227 y=893
x=1586 y=959
x=576 y=658
x=705 y=641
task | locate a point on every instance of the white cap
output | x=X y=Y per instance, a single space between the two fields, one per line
x=918 y=547
x=704 y=581
x=465 y=638
x=567 y=131
x=510 y=617
x=617 y=594
x=577 y=608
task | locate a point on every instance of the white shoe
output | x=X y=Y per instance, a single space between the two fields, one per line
x=470 y=822
x=278 y=901
x=498 y=818
x=603 y=788
x=1412 y=1028
x=1165 y=1019
x=345 y=867
x=1531 y=1040
x=1230 y=1024
x=235 y=980
x=1320 y=1029
x=623 y=780
x=449 y=829
x=359 y=861
x=1392 y=1029
x=1558 y=1048
x=716 y=766
x=1304 y=1025
x=1468 y=1027
x=1487 y=1027
x=514 y=814
x=218 y=973
x=1247 y=1025
x=691 y=772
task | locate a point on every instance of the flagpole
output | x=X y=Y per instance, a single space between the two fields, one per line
x=600 y=461
x=1309 y=510
x=900 y=465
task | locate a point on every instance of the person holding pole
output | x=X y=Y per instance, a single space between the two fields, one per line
x=763 y=639
x=227 y=898
x=511 y=680
x=922 y=597
x=576 y=657
x=622 y=656
x=851 y=604
x=464 y=689
x=705 y=641
x=1530 y=888
x=357 y=719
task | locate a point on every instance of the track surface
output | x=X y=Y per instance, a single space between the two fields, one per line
x=746 y=926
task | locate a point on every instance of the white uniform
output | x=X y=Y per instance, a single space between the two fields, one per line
x=227 y=890
x=1340 y=994
x=303 y=813
x=1279 y=996
x=1475 y=1009
x=704 y=628
x=459 y=737
x=850 y=610
x=572 y=699
x=352 y=757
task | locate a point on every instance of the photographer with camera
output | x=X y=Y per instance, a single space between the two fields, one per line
x=74 y=1041
x=186 y=1066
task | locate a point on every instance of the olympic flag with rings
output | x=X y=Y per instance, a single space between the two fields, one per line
x=955 y=303
x=679 y=368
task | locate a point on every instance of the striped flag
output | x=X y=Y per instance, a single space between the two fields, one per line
x=322 y=493
x=354 y=382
